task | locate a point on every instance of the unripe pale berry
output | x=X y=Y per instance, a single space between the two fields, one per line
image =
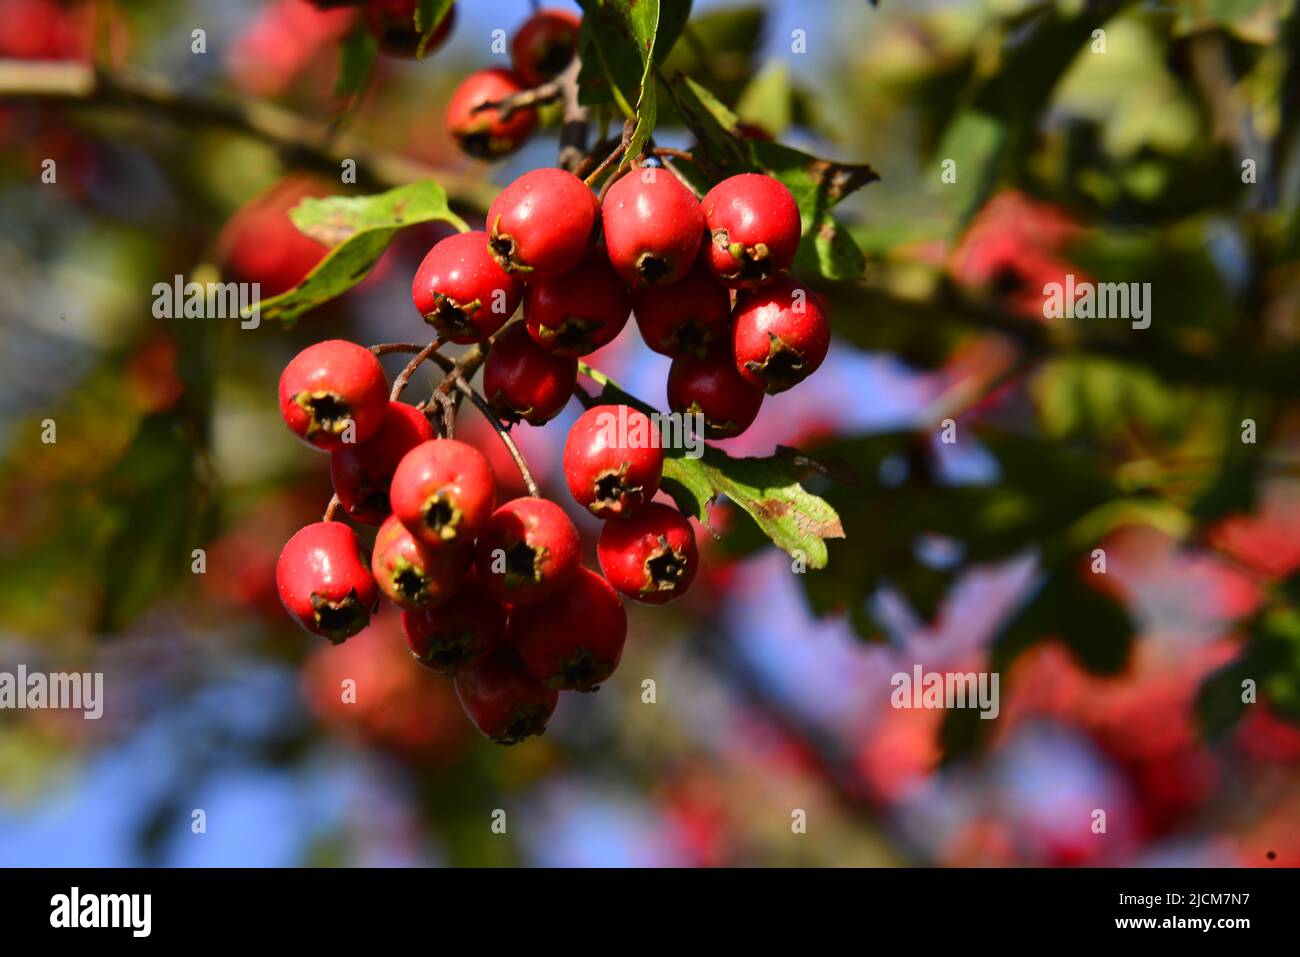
x=333 y=391
x=652 y=227
x=324 y=581
x=780 y=335
x=462 y=292
x=754 y=227
x=572 y=641
x=613 y=460
x=650 y=555
x=543 y=223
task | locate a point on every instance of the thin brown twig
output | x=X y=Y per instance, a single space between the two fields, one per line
x=524 y=99
x=332 y=509
x=615 y=155
x=416 y=361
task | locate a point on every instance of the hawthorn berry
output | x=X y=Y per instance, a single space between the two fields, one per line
x=392 y=23
x=754 y=228
x=488 y=133
x=578 y=312
x=443 y=492
x=686 y=317
x=650 y=555
x=413 y=575
x=613 y=460
x=543 y=223
x=522 y=380
x=461 y=291
x=333 y=394
x=324 y=582
x=652 y=226
x=454 y=635
x=528 y=551
x=545 y=45
x=572 y=641
x=363 y=472
x=711 y=386
x=779 y=335
x=503 y=699
x=260 y=244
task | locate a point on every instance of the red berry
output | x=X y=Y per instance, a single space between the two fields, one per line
x=392 y=23
x=324 y=582
x=524 y=381
x=461 y=291
x=578 y=312
x=363 y=472
x=261 y=244
x=754 y=225
x=413 y=575
x=453 y=636
x=443 y=491
x=333 y=394
x=543 y=223
x=503 y=699
x=545 y=45
x=528 y=551
x=572 y=641
x=488 y=134
x=685 y=317
x=711 y=387
x=652 y=226
x=649 y=556
x=779 y=335
x=613 y=460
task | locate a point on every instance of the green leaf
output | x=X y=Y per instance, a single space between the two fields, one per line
x=719 y=47
x=768 y=100
x=768 y=489
x=620 y=36
x=357 y=230
x=356 y=62
x=428 y=17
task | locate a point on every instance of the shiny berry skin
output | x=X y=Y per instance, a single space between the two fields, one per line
x=754 y=227
x=572 y=641
x=461 y=291
x=652 y=227
x=488 y=134
x=649 y=556
x=505 y=702
x=543 y=223
x=413 y=575
x=780 y=334
x=392 y=23
x=613 y=460
x=363 y=472
x=324 y=581
x=528 y=551
x=330 y=386
x=686 y=317
x=523 y=381
x=451 y=637
x=578 y=312
x=443 y=491
x=712 y=387
x=544 y=45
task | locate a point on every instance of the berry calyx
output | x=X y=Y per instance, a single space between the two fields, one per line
x=333 y=394
x=651 y=555
x=780 y=334
x=528 y=551
x=574 y=640
x=613 y=460
x=754 y=228
x=652 y=226
x=523 y=381
x=454 y=635
x=544 y=45
x=503 y=699
x=578 y=312
x=710 y=386
x=443 y=492
x=411 y=574
x=324 y=582
x=362 y=473
x=462 y=292
x=543 y=223
x=488 y=133
x=686 y=317
x=392 y=23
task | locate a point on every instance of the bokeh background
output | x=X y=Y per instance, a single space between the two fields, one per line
x=1120 y=691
